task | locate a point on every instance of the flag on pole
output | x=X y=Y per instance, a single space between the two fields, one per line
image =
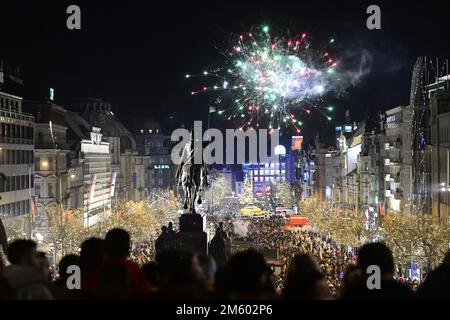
x=381 y=208
x=112 y=184
x=67 y=215
x=34 y=206
x=91 y=191
x=51 y=132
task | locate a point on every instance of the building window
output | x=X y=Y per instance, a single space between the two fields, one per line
x=50 y=190
x=17 y=209
x=12 y=183
x=30 y=133
x=23 y=182
x=8 y=184
x=12 y=130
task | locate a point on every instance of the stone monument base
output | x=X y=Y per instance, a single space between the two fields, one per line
x=192 y=236
x=194 y=242
x=192 y=222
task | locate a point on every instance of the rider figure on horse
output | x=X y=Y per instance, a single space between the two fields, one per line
x=188 y=156
x=190 y=174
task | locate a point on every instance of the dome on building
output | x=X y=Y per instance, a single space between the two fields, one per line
x=77 y=124
x=98 y=113
x=148 y=125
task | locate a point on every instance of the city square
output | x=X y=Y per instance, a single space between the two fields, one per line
x=224 y=152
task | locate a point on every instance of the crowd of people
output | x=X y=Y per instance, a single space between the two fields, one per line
x=272 y=234
x=142 y=253
x=314 y=268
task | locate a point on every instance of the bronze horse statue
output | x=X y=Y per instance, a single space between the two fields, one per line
x=192 y=176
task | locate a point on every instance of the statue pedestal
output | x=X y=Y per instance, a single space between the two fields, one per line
x=192 y=236
x=192 y=222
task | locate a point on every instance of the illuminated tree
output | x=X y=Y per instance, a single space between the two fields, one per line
x=346 y=227
x=412 y=238
x=218 y=190
x=247 y=196
x=418 y=238
x=283 y=193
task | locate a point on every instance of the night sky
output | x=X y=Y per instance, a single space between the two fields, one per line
x=135 y=54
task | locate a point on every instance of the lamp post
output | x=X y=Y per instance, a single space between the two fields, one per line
x=278 y=151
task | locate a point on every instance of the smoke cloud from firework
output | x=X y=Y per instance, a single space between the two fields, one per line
x=361 y=61
x=240 y=228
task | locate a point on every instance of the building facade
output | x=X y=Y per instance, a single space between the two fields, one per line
x=96 y=172
x=16 y=165
x=262 y=175
x=440 y=154
x=51 y=153
x=396 y=159
x=153 y=152
x=98 y=113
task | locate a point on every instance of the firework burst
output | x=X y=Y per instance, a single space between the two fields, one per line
x=270 y=81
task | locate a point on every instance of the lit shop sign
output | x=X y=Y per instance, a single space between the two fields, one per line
x=161 y=166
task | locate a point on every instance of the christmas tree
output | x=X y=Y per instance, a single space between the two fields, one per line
x=247 y=197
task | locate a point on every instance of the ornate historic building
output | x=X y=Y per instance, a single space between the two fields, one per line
x=154 y=154
x=98 y=113
x=16 y=164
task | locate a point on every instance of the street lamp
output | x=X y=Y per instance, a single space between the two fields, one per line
x=444 y=188
x=278 y=151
